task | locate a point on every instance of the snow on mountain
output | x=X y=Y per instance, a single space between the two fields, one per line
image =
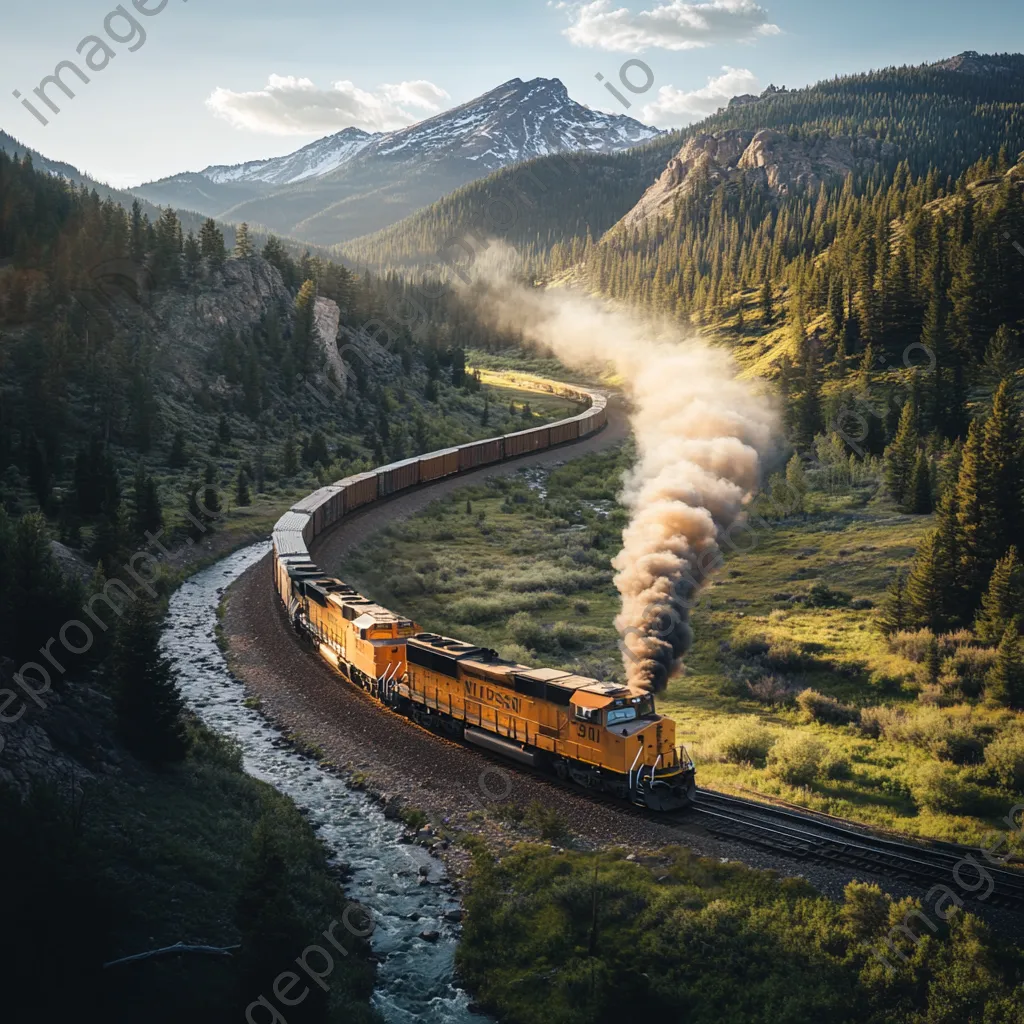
x=352 y=183
x=517 y=121
x=312 y=161
x=514 y=122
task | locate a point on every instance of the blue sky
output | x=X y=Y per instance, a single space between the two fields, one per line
x=221 y=81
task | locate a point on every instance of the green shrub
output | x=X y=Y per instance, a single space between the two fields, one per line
x=568 y=636
x=819 y=708
x=546 y=821
x=476 y=610
x=525 y=631
x=950 y=735
x=744 y=741
x=1004 y=757
x=801 y=760
x=912 y=645
x=821 y=595
x=938 y=788
x=969 y=666
x=770 y=689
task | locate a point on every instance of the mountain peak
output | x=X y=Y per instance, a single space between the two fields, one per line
x=970 y=62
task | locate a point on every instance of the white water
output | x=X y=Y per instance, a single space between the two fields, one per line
x=415 y=977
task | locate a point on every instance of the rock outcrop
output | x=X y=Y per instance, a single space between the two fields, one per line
x=970 y=62
x=766 y=159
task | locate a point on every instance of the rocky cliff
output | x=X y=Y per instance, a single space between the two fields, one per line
x=766 y=159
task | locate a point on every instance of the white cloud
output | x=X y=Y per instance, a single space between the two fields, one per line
x=671 y=26
x=674 y=107
x=295 y=106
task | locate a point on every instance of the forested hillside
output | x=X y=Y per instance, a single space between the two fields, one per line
x=931 y=117
x=160 y=394
x=534 y=206
x=131 y=345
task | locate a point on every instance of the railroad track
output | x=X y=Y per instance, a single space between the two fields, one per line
x=807 y=838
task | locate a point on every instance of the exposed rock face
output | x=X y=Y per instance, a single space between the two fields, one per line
x=767 y=159
x=326 y=317
x=743 y=101
x=970 y=62
x=187 y=326
x=59 y=741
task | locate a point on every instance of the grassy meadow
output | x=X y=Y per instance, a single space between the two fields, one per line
x=790 y=690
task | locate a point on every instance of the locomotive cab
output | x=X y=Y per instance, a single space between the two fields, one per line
x=632 y=738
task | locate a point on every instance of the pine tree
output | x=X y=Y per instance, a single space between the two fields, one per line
x=303 y=335
x=1003 y=600
x=932 y=593
x=1003 y=461
x=243 y=246
x=223 y=430
x=178 y=457
x=901 y=457
x=894 y=616
x=1001 y=359
x=193 y=256
x=148 y=515
x=1004 y=683
x=919 y=493
x=137 y=234
x=767 y=304
x=195 y=521
x=977 y=529
x=242 y=489
x=146 y=698
x=211 y=243
x=166 y=261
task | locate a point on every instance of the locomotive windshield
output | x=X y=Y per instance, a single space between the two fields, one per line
x=616 y=715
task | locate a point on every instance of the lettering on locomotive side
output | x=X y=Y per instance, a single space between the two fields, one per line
x=480 y=691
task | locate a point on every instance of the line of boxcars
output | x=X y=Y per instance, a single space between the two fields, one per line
x=596 y=733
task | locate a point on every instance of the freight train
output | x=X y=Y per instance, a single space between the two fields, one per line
x=597 y=734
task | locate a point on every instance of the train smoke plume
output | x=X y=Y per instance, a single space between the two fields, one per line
x=701 y=435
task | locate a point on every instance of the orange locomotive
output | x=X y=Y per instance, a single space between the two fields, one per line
x=597 y=734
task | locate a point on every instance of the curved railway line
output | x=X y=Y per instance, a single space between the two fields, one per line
x=808 y=838
x=776 y=832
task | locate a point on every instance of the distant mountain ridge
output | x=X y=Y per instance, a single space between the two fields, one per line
x=312 y=161
x=353 y=182
x=942 y=116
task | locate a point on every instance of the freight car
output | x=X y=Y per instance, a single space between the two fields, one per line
x=597 y=734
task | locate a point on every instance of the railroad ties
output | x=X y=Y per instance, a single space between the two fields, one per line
x=805 y=837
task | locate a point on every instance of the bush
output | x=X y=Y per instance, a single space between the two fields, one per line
x=743 y=741
x=1004 y=757
x=770 y=689
x=525 y=631
x=827 y=710
x=568 y=636
x=969 y=666
x=938 y=788
x=948 y=735
x=821 y=595
x=786 y=656
x=873 y=722
x=546 y=821
x=476 y=610
x=801 y=760
x=912 y=646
